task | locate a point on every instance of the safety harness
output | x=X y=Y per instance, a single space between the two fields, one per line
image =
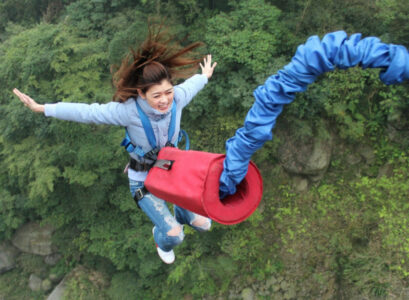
x=152 y=155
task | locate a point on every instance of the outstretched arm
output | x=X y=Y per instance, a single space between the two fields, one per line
x=187 y=90
x=112 y=113
x=29 y=102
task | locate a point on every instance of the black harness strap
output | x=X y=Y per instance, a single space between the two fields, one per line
x=151 y=155
x=139 y=194
x=138 y=166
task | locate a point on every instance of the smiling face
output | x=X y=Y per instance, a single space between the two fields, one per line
x=159 y=96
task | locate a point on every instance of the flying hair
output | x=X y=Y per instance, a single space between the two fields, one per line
x=159 y=57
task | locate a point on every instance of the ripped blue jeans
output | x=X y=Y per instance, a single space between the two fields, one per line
x=157 y=210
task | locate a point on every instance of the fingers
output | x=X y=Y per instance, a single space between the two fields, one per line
x=214 y=65
x=207 y=66
x=20 y=95
x=27 y=101
x=16 y=92
x=208 y=60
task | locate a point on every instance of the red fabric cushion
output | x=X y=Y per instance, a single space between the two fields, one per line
x=193 y=183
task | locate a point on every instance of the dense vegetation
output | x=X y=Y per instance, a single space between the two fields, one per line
x=347 y=235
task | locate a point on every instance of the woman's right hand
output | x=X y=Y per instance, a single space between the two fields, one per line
x=30 y=103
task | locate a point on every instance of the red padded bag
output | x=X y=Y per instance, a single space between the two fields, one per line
x=192 y=182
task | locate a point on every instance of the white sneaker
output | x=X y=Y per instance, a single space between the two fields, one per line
x=166 y=257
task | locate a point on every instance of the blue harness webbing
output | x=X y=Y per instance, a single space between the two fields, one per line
x=147 y=126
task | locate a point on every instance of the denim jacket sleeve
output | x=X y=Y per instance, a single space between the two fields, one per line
x=112 y=113
x=185 y=91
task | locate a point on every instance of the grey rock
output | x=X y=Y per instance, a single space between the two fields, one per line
x=316 y=178
x=34 y=282
x=278 y=296
x=320 y=157
x=353 y=159
x=368 y=153
x=8 y=255
x=52 y=259
x=308 y=158
x=33 y=238
x=404 y=294
x=300 y=184
x=291 y=293
x=284 y=285
x=58 y=292
x=247 y=294
x=270 y=282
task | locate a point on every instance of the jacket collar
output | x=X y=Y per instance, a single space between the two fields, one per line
x=152 y=113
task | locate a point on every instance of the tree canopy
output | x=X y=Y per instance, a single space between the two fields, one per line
x=345 y=235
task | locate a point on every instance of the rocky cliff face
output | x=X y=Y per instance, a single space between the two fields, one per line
x=34 y=238
x=34 y=242
x=8 y=254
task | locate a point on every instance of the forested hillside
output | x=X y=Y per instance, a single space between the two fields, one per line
x=334 y=219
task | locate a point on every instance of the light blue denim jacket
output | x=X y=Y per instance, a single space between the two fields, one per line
x=126 y=114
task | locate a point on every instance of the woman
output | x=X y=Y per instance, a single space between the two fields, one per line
x=144 y=88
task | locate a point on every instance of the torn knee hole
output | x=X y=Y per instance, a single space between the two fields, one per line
x=201 y=222
x=175 y=231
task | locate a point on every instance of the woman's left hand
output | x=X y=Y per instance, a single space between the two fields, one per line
x=207 y=67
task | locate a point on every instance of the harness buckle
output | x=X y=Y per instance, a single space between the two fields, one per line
x=153 y=154
x=139 y=194
x=139 y=166
x=164 y=164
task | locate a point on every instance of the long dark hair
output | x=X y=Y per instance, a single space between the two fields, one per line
x=159 y=57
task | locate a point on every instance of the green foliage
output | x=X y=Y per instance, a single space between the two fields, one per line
x=84 y=284
x=123 y=286
x=32 y=264
x=347 y=233
x=354 y=105
x=12 y=217
x=26 y=12
x=321 y=16
x=393 y=15
x=357 y=227
x=14 y=286
x=211 y=136
x=355 y=99
x=248 y=35
x=128 y=30
x=244 y=41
